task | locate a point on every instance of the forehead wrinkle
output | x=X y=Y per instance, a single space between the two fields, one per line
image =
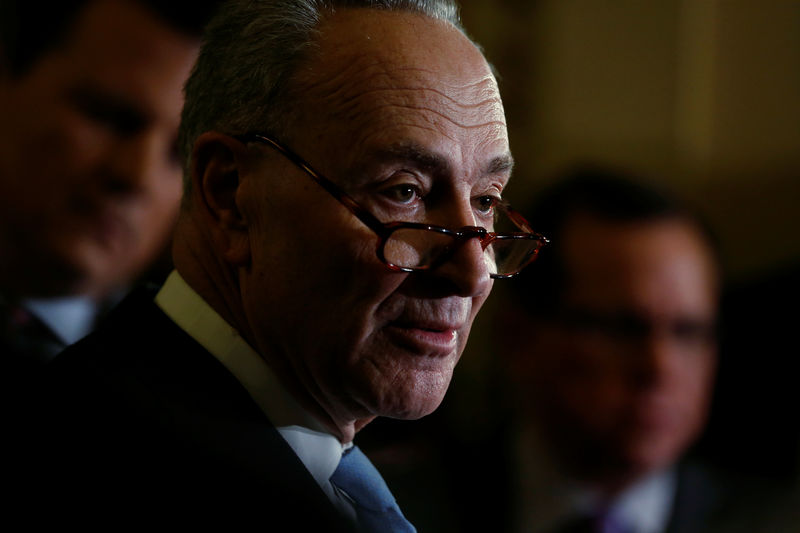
x=361 y=85
x=398 y=81
x=428 y=110
x=410 y=151
x=431 y=128
x=405 y=111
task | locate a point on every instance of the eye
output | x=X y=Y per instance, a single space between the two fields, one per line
x=403 y=193
x=108 y=111
x=485 y=204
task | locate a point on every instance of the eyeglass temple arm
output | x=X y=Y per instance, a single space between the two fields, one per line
x=521 y=222
x=334 y=190
x=345 y=199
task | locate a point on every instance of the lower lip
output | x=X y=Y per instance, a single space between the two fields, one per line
x=425 y=342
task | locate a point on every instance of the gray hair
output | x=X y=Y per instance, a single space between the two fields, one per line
x=250 y=52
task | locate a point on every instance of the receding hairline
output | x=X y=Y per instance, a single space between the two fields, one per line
x=275 y=108
x=326 y=45
x=419 y=21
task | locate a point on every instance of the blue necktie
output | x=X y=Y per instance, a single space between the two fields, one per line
x=376 y=509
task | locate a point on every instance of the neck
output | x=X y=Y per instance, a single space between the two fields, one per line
x=218 y=283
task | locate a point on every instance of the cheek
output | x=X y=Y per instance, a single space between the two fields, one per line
x=326 y=277
x=694 y=383
x=55 y=163
x=166 y=195
x=590 y=366
x=589 y=381
x=71 y=140
x=159 y=217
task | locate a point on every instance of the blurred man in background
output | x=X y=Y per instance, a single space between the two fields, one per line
x=612 y=352
x=90 y=179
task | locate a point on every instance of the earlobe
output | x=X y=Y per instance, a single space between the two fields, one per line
x=216 y=166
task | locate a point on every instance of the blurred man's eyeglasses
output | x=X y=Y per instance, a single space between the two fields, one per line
x=413 y=246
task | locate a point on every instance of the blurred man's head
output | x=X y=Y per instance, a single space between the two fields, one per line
x=90 y=180
x=306 y=262
x=619 y=362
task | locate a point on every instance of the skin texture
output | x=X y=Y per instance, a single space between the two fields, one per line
x=411 y=136
x=626 y=391
x=90 y=182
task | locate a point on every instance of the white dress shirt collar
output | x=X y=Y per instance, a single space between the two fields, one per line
x=70 y=319
x=647 y=504
x=318 y=449
x=546 y=496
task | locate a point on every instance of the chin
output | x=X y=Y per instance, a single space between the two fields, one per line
x=647 y=457
x=399 y=384
x=413 y=403
x=411 y=412
x=102 y=271
x=62 y=278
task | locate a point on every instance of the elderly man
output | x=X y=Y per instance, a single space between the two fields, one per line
x=90 y=99
x=614 y=359
x=343 y=189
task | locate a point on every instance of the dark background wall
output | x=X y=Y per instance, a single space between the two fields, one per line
x=704 y=94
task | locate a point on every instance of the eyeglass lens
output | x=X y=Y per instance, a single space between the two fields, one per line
x=418 y=248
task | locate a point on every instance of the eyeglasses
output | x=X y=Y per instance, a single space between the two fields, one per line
x=414 y=247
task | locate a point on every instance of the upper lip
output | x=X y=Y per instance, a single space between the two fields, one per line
x=428 y=324
x=428 y=314
x=108 y=217
x=102 y=208
x=440 y=318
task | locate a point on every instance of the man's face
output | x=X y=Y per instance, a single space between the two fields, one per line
x=89 y=179
x=627 y=370
x=412 y=136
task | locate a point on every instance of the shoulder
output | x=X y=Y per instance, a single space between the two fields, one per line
x=708 y=496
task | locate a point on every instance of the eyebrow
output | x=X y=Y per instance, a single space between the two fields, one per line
x=416 y=154
x=500 y=164
x=107 y=106
x=437 y=163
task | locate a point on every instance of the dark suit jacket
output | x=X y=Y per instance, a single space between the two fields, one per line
x=482 y=497
x=142 y=420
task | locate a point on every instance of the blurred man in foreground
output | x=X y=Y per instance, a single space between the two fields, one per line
x=336 y=241
x=90 y=98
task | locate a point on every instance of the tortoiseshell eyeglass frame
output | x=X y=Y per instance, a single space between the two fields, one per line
x=384 y=230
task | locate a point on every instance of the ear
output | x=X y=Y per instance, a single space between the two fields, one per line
x=217 y=162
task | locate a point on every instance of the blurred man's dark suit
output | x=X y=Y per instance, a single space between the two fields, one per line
x=486 y=496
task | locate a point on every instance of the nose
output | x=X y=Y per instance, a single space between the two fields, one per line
x=655 y=358
x=467 y=270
